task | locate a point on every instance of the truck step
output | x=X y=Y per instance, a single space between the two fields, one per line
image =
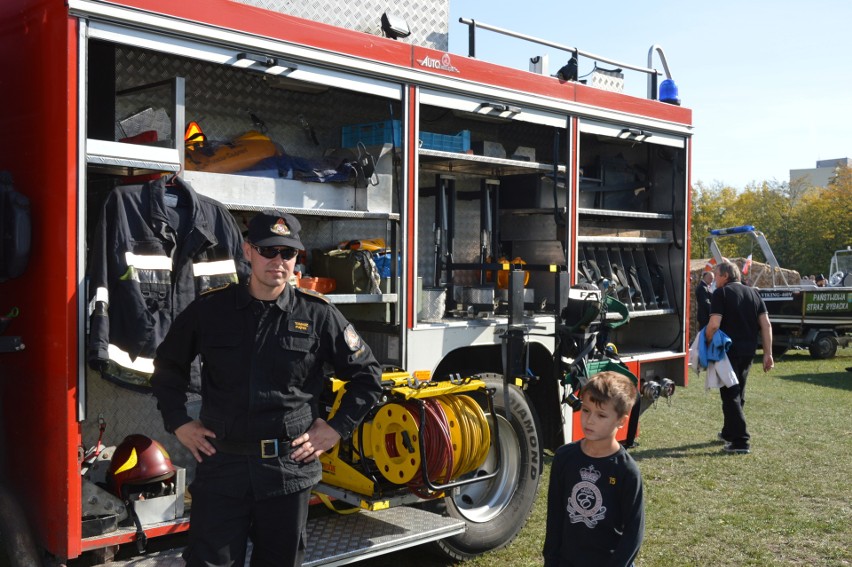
x=342 y=539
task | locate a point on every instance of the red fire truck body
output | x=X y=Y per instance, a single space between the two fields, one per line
x=566 y=181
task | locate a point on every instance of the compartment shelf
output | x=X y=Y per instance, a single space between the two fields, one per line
x=331 y=213
x=638 y=313
x=339 y=200
x=627 y=214
x=452 y=162
x=626 y=239
x=639 y=356
x=353 y=298
x=116 y=158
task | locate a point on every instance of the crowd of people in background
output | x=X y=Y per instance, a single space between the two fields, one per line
x=817 y=280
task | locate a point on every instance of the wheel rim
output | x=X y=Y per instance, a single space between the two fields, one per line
x=824 y=346
x=484 y=501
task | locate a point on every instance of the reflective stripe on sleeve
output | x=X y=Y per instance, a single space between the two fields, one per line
x=148 y=262
x=217 y=268
x=101 y=294
x=141 y=364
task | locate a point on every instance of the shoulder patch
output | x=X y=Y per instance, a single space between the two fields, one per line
x=353 y=340
x=220 y=288
x=312 y=293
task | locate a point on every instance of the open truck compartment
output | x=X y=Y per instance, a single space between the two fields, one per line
x=466 y=171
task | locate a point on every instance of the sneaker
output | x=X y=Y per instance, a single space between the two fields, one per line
x=729 y=448
x=721 y=438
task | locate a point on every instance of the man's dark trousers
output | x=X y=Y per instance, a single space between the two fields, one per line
x=733 y=401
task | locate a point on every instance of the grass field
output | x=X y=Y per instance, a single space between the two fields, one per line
x=789 y=502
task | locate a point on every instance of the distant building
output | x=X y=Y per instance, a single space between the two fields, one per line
x=819 y=176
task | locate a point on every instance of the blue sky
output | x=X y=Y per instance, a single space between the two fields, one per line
x=769 y=83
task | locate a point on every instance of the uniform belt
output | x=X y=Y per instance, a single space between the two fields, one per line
x=264 y=448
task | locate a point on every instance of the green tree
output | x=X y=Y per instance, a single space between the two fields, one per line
x=803 y=224
x=711 y=208
x=769 y=207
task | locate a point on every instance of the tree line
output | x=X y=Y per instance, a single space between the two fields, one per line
x=803 y=224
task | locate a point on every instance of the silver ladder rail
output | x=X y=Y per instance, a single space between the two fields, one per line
x=652 y=73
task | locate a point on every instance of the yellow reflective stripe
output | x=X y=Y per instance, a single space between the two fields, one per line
x=131 y=461
x=217 y=268
x=148 y=262
x=140 y=364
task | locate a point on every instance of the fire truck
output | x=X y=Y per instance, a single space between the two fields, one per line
x=519 y=229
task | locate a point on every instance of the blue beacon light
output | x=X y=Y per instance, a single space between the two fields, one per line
x=669 y=93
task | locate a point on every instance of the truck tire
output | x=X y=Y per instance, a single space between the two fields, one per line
x=494 y=511
x=17 y=544
x=824 y=346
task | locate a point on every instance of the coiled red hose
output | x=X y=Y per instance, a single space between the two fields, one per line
x=438 y=445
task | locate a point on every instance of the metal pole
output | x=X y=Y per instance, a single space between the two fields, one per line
x=561 y=47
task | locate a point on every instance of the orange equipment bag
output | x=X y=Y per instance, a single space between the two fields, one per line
x=229 y=157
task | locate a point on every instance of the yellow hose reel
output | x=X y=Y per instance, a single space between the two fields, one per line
x=392 y=438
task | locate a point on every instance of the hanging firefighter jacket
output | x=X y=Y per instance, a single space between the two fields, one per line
x=158 y=246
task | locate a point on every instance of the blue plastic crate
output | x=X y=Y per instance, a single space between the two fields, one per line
x=371 y=134
x=446 y=142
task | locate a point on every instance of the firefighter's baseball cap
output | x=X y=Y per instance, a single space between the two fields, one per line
x=273 y=228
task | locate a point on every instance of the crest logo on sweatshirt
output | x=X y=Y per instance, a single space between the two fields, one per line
x=586 y=504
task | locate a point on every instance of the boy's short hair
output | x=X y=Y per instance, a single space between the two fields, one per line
x=612 y=387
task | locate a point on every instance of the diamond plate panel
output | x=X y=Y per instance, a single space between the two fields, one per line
x=466 y=244
x=341 y=539
x=427 y=19
x=125 y=412
x=607 y=80
x=222 y=100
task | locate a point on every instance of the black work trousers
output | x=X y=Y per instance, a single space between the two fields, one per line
x=220 y=527
x=733 y=403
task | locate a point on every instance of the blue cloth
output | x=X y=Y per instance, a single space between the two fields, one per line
x=715 y=351
x=383 y=263
x=293 y=167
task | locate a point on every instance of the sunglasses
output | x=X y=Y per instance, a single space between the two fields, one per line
x=270 y=252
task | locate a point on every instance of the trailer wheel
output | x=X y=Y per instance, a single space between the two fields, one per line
x=824 y=346
x=494 y=511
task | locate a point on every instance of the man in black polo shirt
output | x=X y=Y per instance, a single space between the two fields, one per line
x=739 y=311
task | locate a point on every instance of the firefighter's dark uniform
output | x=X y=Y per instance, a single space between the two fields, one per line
x=156 y=249
x=262 y=371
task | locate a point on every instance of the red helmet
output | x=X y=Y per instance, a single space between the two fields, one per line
x=138 y=460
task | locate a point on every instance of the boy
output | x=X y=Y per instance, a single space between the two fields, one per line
x=595 y=509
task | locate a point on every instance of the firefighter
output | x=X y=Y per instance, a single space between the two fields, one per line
x=263 y=346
